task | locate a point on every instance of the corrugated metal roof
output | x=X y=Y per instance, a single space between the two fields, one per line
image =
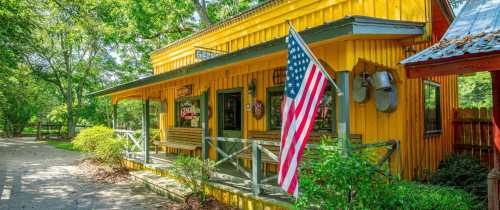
x=476 y=29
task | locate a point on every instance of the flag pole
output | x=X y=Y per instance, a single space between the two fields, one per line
x=339 y=92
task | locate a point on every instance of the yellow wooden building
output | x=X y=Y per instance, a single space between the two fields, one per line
x=240 y=64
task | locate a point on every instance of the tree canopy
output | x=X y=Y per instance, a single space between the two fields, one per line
x=61 y=50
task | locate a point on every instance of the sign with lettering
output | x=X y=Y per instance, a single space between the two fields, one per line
x=205 y=54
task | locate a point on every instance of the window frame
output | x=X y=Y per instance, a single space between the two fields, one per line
x=269 y=91
x=176 y=107
x=437 y=86
x=281 y=88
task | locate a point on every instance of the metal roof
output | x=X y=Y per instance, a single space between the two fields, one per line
x=476 y=29
x=351 y=25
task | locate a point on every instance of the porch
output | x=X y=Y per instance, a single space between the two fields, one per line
x=250 y=167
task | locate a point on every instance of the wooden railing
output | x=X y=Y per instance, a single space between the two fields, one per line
x=254 y=176
x=133 y=145
x=474 y=134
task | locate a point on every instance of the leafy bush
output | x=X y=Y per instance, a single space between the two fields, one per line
x=412 y=195
x=464 y=172
x=88 y=138
x=110 y=151
x=154 y=134
x=194 y=172
x=339 y=181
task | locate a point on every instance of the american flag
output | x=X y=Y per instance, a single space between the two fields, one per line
x=305 y=83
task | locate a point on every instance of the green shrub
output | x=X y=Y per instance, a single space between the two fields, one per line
x=411 y=195
x=110 y=151
x=464 y=172
x=88 y=138
x=338 y=181
x=194 y=172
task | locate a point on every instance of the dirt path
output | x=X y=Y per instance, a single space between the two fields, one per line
x=34 y=175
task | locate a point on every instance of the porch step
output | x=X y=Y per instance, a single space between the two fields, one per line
x=165 y=186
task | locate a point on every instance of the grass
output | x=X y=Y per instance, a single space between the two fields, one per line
x=65 y=145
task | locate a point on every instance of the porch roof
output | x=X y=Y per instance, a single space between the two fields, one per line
x=347 y=26
x=471 y=43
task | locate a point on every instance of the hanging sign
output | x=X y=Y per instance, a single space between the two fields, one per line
x=279 y=76
x=186 y=90
x=202 y=53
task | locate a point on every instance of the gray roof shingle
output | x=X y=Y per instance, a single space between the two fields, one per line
x=475 y=30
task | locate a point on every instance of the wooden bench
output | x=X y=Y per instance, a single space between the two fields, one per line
x=274 y=136
x=181 y=138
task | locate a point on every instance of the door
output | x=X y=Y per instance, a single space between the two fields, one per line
x=230 y=118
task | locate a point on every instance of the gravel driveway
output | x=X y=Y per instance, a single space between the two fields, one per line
x=34 y=175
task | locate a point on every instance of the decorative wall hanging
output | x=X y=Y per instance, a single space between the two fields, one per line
x=381 y=80
x=386 y=100
x=258 y=109
x=186 y=90
x=279 y=75
x=386 y=97
x=360 y=86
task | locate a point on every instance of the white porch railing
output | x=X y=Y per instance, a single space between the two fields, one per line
x=133 y=145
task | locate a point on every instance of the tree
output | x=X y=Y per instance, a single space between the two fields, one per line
x=73 y=52
x=475 y=90
x=17 y=107
x=17 y=18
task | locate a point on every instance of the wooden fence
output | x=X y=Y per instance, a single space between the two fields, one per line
x=474 y=133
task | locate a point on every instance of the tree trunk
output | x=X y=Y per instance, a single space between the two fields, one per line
x=201 y=9
x=69 y=116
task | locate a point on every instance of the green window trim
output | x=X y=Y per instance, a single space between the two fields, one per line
x=271 y=91
x=432 y=108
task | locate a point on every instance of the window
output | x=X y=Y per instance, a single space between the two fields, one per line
x=432 y=108
x=231 y=104
x=274 y=98
x=325 y=118
x=187 y=112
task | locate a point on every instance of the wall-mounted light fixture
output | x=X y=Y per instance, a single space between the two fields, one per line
x=252 y=86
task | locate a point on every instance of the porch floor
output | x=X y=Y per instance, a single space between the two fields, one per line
x=225 y=175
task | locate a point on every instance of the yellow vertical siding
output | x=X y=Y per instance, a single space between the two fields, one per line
x=269 y=23
x=417 y=154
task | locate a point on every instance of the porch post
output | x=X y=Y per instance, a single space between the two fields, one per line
x=145 y=129
x=494 y=175
x=342 y=78
x=256 y=168
x=114 y=120
x=204 y=125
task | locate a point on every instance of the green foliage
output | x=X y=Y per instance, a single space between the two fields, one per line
x=411 y=195
x=464 y=172
x=475 y=91
x=340 y=181
x=18 y=107
x=63 y=145
x=194 y=172
x=110 y=151
x=17 y=18
x=88 y=139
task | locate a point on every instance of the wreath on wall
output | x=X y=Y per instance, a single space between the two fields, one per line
x=258 y=109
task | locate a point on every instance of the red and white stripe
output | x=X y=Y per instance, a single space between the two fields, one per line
x=297 y=122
